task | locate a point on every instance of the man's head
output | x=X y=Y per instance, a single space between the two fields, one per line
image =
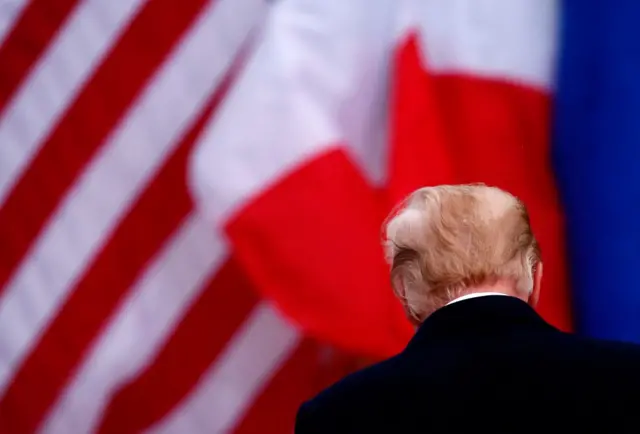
x=446 y=241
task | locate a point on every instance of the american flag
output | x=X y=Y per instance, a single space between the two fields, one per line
x=120 y=309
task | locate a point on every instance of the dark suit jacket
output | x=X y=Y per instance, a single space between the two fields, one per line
x=487 y=364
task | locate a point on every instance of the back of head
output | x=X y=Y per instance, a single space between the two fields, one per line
x=443 y=242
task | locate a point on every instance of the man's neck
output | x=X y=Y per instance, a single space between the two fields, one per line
x=474 y=295
x=497 y=288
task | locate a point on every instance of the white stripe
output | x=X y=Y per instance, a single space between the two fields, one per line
x=114 y=179
x=514 y=40
x=131 y=341
x=227 y=390
x=10 y=11
x=55 y=82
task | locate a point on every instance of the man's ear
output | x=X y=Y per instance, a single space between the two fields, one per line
x=537 y=284
x=400 y=291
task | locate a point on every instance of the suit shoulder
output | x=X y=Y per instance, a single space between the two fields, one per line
x=342 y=399
x=306 y=422
x=608 y=348
x=612 y=359
x=362 y=381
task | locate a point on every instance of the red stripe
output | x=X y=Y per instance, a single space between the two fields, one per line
x=94 y=299
x=96 y=111
x=29 y=37
x=309 y=370
x=460 y=129
x=195 y=343
x=321 y=260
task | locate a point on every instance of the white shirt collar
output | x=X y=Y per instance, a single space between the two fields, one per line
x=474 y=295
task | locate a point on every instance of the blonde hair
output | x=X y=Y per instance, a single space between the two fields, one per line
x=442 y=240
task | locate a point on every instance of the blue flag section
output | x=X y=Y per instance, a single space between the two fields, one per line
x=596 y=156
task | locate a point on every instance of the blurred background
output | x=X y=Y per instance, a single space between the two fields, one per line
x=191 y=193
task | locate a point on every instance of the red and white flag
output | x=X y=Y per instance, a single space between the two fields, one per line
x=164 y=166
x=344 y=109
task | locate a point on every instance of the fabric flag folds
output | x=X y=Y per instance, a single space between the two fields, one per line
x=346 y=107
x=121 y=309
x=293 y=168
